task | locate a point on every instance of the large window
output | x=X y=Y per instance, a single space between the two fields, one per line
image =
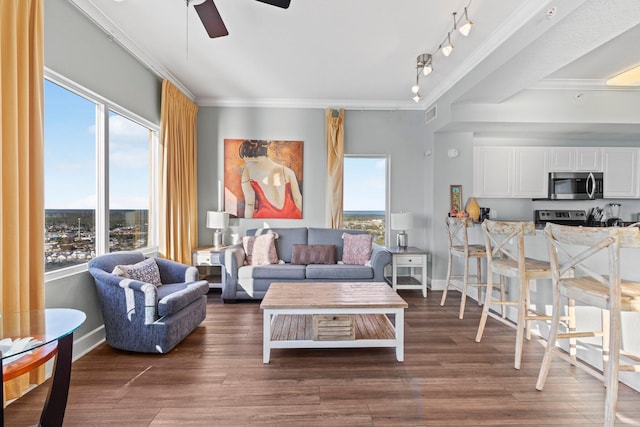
x=365 y=195
x=99 y=177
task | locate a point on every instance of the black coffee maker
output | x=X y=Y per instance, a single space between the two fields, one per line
x=484 y=213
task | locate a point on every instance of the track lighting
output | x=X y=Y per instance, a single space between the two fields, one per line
x=425 y=60
x=424 y=65
x=466 y=27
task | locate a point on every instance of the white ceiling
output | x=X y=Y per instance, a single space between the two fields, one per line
x=362 y=53
x=317 y=51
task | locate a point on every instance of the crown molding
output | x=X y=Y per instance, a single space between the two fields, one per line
x=580 y=84
x=95 y=15
x=308 y=103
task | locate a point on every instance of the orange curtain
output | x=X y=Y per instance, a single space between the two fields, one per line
x=178 y=171
x=22 y=170
x=334 y=121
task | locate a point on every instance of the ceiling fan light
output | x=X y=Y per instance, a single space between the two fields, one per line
x=630 y=77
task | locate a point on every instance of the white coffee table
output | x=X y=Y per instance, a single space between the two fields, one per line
x=288 y=310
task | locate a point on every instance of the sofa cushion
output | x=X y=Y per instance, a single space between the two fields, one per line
x=313 y=254
x=287 y=237
x=339 y=272
x=357 y=248
x=145 y=271
x=273 y=271
x=260 y=250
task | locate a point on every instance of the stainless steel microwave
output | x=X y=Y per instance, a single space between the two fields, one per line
x=575 y=185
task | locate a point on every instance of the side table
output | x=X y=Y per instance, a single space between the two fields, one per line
x=415 y=259
x=51 y=330
x=207 y=261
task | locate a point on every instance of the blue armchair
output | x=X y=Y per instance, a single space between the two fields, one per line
x=143 y=317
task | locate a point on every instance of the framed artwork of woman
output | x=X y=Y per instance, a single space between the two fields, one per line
x=263 y=178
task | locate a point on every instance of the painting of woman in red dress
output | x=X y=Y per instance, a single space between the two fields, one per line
x=268 y=182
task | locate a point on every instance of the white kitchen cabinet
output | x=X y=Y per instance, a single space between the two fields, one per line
x=530 y=172
x=575 y=159
x=562 y=159
x=620 y=167
x=493 y=171
x=510 y=172
x=588 y=159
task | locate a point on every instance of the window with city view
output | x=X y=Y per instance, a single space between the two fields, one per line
x=78 y=137
x=129 y=183
x=365 y=195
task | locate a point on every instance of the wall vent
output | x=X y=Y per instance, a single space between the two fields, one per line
x=430 y=114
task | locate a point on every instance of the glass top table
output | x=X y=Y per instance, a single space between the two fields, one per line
x=29 y=339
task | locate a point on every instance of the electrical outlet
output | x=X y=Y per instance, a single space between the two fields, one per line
x=493 y=214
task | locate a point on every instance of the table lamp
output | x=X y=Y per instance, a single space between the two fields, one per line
x=219 y=221
x=402 y=221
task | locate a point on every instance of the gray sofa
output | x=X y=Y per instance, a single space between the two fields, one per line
x=241 y=281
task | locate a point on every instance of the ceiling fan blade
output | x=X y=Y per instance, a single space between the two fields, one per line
x=280 y=3
x=211 y=19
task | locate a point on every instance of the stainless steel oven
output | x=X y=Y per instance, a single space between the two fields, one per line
x=575 y=185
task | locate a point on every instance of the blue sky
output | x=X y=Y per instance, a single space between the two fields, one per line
x=364 y=184
x=70 y=155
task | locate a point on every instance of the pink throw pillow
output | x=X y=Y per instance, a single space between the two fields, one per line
x=247 y=245
x=357 y=248
x=260 y=250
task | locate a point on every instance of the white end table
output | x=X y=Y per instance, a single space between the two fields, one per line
x=207 y=261
x=415 y=259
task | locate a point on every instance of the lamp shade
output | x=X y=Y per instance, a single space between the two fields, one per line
x=217 y=220
x=401 y=221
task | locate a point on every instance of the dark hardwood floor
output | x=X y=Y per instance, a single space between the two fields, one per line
x=216 y=377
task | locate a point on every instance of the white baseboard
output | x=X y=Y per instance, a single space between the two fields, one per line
x=437 y=284
x=84 y=344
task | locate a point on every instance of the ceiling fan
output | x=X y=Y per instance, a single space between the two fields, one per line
x=212 y=21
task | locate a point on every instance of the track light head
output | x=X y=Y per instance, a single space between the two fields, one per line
x=446 y=50
x=416 y=98
x=466 y=27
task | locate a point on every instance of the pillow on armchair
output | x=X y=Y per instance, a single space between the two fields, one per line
x=145 y=271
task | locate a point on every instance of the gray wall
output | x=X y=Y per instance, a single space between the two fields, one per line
x=396 y=134
x=78 y=50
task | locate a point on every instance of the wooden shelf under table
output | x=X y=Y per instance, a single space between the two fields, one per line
x=299 y=327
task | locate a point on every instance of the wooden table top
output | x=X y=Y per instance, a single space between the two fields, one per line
x=332 y=295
